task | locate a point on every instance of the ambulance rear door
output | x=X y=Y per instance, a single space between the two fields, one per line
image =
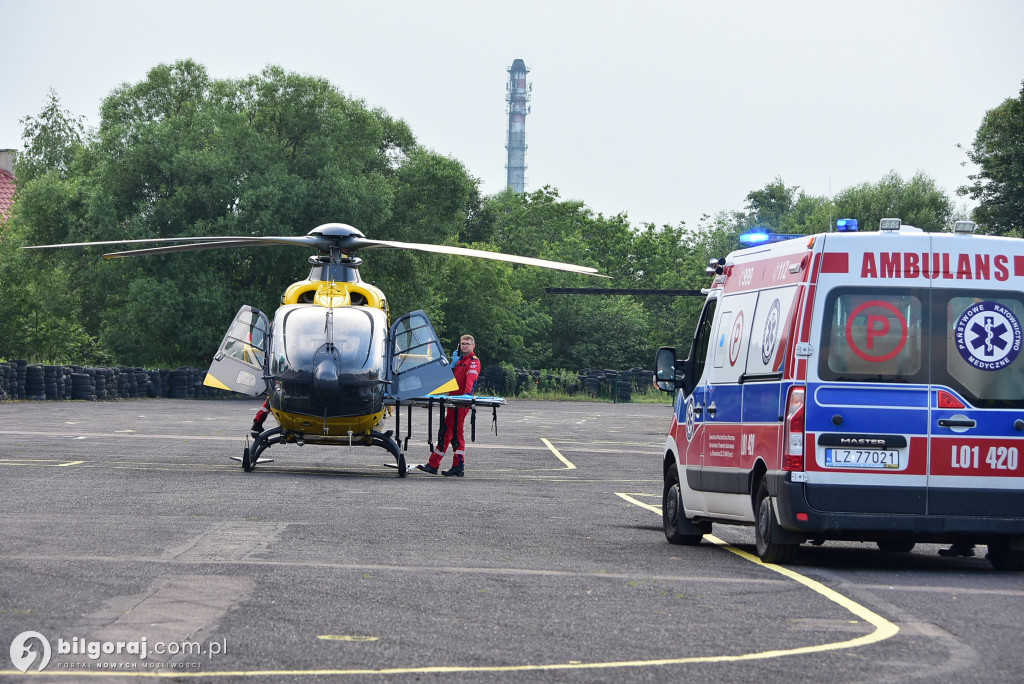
x=868 y=389
x=977 y=403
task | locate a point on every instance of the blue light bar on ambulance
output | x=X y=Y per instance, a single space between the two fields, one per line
x=847 y=225
x=754 y=238
x=761 y=237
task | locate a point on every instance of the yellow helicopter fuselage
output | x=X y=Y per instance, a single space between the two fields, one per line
x=333 y=295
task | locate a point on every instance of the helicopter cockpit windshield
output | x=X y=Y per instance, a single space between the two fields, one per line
x=351 y=336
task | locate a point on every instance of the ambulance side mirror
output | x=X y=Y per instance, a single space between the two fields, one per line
x=665 y=369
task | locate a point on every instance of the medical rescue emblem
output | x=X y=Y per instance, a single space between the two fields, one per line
x=988 y=336
x=771 y=333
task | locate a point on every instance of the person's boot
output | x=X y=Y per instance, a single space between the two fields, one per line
x=427 y=468
x=958 y=550
x=455 y=471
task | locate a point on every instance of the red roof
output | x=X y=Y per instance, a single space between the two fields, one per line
x=6 y=193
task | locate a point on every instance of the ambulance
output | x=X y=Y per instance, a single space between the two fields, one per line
x=864 y=386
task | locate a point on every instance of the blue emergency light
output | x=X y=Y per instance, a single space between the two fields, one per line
x=847 y=225
x=763 y=237
x=754 y=238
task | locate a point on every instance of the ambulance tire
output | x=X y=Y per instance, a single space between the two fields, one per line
x=895 y=546
x=767 y=530
x=1004 y=558
x=678 y=529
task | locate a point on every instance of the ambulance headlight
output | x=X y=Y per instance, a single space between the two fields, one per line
x=847 y=225
x=890 y=224
x=965 y=227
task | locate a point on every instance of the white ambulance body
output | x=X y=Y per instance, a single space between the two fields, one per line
x=855 y=386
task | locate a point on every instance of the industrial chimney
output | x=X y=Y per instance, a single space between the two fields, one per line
x=518 y=99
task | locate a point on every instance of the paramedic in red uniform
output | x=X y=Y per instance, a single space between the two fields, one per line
x=452 y=430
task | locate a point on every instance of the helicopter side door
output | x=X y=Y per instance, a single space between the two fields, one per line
x=238 y=364
x=418 y=366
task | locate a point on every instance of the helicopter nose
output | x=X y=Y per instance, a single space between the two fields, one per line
x=325 y=377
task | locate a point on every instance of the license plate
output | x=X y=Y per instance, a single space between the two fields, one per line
x=881 y=459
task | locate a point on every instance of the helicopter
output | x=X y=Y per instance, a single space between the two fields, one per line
x=331 y=361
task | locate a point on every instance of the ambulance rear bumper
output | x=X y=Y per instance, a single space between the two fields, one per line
x=882 y=513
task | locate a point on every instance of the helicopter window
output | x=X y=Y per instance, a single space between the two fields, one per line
x=414 y=344
x=301 y=332
x=246 y=339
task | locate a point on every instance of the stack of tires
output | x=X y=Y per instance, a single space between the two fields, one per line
x=177 y=384
x=141 y=382
x=494 y=379
x=53 y=382
x=35 y=383
x=5 y=381
x=591 y=382
x=21 y=368
x=83 y=386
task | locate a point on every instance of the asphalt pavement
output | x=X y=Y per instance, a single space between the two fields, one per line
x=132 y=546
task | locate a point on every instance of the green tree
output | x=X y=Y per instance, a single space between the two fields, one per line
x=182 y=154
x=52 y=138
x=998 y=151
x=767 y=206
x=918 y=202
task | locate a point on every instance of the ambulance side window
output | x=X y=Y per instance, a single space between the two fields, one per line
x=873 y=335
x=701 y=342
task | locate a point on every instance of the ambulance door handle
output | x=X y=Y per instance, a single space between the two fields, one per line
x=954 y=422
x=712 y=409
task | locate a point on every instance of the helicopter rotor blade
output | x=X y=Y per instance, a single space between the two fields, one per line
x=195 y=243
x=192 y=247
x=366 y=243
x=326 y=238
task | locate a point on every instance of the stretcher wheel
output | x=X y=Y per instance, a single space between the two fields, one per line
x=403 y=470
x=247 y=463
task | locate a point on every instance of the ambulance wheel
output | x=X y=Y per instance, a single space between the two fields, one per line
x=1004 y=558
x=767 y=530
x=895 y=546
x=678 y=529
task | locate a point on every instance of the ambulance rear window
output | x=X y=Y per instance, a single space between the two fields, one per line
x=872 y=336
x=981 y=346
x=968 y=340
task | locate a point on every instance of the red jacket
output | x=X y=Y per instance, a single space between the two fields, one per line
x=466 y=370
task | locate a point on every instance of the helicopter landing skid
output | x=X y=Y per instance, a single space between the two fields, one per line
x=386 y=441
x=260 y=443
x=264 y=440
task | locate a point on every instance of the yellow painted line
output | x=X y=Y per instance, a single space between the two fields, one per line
x=630 y=499
x=883 y=628
x=568 y=464
x=69 y=463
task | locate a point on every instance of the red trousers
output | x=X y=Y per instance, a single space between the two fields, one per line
x=452 y=431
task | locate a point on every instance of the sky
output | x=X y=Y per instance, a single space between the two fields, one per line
x=664 y=110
